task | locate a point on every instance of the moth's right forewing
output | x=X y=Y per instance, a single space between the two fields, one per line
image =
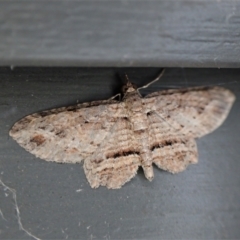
x=193 y=112
x=66 y=134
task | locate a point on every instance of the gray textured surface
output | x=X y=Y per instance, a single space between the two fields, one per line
x=166 y=33
x=200 y=203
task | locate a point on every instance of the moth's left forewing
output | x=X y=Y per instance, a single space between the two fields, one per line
x=193 y=112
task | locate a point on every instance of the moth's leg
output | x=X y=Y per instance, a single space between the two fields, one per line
x=175 y=155
x=115 y=96
x=153 y=81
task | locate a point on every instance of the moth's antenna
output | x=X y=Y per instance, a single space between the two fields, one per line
x=153 y=81
x=126 y=77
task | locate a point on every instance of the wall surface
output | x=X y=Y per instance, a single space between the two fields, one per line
x=165 y=33
x=55 y=200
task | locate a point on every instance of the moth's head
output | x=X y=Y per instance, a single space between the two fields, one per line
x=128 y=87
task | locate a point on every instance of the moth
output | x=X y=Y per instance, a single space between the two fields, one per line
x=114 y=138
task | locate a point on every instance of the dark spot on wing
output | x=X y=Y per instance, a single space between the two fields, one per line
x=72 y=109
x=97 y=161
x=38 y=139
x=140 y=131
x=200 y=109
x=44 y=114
x=60 y=133
x=165 y=143
x=122 y=154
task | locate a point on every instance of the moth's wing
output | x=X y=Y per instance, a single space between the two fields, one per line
x=171 y=151
x=117 y=159
x=176 y=117
x=67 y=134
x=176 y=157
x=193 y=112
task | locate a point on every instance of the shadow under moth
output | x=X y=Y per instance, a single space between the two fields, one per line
x=114 y=138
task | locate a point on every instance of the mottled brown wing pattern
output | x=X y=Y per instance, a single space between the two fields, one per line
x=67 y=134
x=193 y=112
x=117 y=159
x=170 y=151
x=176 y=117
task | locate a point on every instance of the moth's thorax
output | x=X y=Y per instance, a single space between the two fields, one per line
x=133 y=101
x=135 y=108
x=130 y=93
